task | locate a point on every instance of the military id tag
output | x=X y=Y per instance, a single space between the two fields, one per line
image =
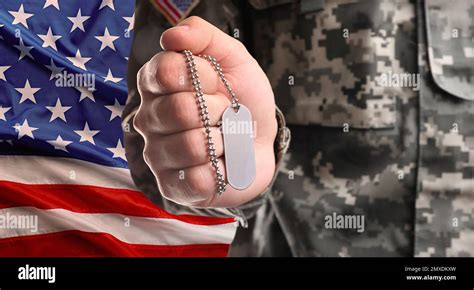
x=237 y=130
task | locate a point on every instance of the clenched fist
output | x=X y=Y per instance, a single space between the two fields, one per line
x=168 y=118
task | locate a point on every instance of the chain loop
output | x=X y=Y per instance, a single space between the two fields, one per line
x=204 y=113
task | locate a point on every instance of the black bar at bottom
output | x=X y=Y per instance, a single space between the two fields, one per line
x=290 y=273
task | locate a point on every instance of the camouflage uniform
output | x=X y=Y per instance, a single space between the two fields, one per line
x=402 y=158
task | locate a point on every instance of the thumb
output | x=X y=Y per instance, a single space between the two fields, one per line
x=201 y=37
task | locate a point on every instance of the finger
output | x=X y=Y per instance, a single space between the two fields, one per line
x=201 y=37
x=196 y=186
x=185 y=149
x=180 y=112
x=167 y=72
x=192 y=186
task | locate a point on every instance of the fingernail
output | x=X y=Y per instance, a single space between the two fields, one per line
x=182 y=27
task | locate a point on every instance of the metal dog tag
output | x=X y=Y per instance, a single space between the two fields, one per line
x=237 y=129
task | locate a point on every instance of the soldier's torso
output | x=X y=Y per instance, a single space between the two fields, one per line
x=400 y=155
x=362 y=146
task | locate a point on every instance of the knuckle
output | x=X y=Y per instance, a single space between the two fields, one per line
x=154 y=154
x=199 y=183
x=168 y=194
x=193 y=146
x=147 y=156
x=140 y=77
x=145 y=78
x=182 y=109
x=173 y=193
x=166 y=190
x=146 y=151
x=139 y=122
x=165 y=72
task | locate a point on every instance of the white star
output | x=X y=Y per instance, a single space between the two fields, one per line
x=85 y=93
x=20 y=16
x=87 y=134
x=49 y=40
x=78 y=21
x=109 y=3
x=131 y=22
x=58 y=111
x=116 y=110
x=78 y=60
x=27 y=93
x=59 y=143
x=119 y=151
x=25 y=130
x=2 y=72
x=24 y=50
x=55 y=70
x=51 y=3
x=3 y=111
x=111 y=78
x=107 y=40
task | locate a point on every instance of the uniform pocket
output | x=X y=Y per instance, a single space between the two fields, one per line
x=450 y=36
x=325 y=66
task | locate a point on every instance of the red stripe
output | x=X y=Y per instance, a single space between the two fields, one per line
x=166 y=11
x=91 y=199
x=172 y=8
x=82 y=244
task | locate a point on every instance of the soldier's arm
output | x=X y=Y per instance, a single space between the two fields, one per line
x=194 y=191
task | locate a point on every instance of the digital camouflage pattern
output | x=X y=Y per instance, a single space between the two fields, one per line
x=445 y=202
x=402 y=158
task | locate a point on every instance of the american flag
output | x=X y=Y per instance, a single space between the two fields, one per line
x=65 y=187
x=175 y=10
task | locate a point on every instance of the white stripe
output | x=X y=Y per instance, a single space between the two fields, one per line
x=143 y=231
x=58 y=170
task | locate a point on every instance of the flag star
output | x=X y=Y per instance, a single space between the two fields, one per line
x=107 y=40
x=20 y=16
x=49 y=40
x=131 y=22
x=2 y=72
x=78 y=21
x=55 y=70
x=85 y=93
x=111 y=78
x=58 y=111
x=109 y=3
x=119 y=151
x=87 y=134
x=78 y=60
x=27 y=92
x=59 y=143
x=116 y=110
x=25 y=130
x=51 y=3
x=3 y=111
x=24 y=50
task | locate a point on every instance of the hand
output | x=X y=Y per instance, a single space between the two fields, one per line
x=169 y=121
